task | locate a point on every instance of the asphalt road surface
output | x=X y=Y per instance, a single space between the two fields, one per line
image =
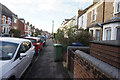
x=44 y=66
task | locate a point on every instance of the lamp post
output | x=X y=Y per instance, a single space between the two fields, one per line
x=53 y=28
x=0 y=24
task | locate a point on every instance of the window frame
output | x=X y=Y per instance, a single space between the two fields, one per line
x=107 y=29
x=82 y=21
x=97 y=36
x=9 y=20
x=93 y=14
x=4 y=19
x=117 y=38
x=15 y=20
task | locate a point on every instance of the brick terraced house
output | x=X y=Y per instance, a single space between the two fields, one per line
x=6 y=19
x=9 y=20
x=97 y=15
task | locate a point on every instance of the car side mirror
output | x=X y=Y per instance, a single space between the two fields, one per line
x=22 y=55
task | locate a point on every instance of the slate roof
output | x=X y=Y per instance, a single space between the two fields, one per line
x=5 y=11
x=96 y=24
x=112 y=20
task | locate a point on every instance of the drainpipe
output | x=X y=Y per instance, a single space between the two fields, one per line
x=103 y=11
x=103 y=18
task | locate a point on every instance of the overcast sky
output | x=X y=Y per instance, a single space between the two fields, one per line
x=40 y=13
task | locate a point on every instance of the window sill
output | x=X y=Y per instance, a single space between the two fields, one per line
x=116 y=13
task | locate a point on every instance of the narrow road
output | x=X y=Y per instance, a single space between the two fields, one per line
x=44 y=65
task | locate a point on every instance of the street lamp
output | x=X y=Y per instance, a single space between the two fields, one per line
x=0 y=24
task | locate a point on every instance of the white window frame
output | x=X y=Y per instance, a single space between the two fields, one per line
x=15 y=27
x=93 y=14
x=118 y=7
x=107 y=34
x=4 y=19
x=9 y=20
x=117 y=33
x=15 y=20
x=82 y=21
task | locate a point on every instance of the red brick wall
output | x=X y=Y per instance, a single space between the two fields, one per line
x=15 y=24
x=81 y=68
x=21 y=27
x=108 y=54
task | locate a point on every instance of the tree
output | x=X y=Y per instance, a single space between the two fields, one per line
x=15 y=33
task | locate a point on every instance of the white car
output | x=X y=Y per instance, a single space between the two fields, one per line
x=15 y=56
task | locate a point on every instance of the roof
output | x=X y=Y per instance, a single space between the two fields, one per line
x=67 y=19
x=83 y=11
x=32 y=37
x=13 y=40
x=5 y=11
x=96 y=24
x=112 y=20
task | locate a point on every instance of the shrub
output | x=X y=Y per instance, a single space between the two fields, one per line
x=83 y=37
x=15 y=33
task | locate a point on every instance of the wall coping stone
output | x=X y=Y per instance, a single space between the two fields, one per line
x=109 y=70
x=78 y=47
x=115 y=43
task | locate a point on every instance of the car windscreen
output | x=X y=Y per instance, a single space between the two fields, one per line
x=32 y=40
x=7 y=50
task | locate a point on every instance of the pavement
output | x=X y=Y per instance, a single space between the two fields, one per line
x=44 y=66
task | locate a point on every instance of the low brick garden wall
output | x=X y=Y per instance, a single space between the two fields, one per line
x=83 y=65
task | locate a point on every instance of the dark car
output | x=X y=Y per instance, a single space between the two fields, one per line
x=43 y=40
x=4 y=35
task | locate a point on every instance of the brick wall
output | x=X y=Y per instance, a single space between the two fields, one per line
x=106 y=53
x=99 y=15
x=108 y=10
x=107 y=14
x=21 y=27
x=83 y=69
x=83 y=65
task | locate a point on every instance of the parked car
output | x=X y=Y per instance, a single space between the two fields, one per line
x=37 y=43
x=43 y=40
x=25 y=35
x=15 y=56
x=4 y=35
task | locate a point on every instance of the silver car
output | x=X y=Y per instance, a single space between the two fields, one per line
x=15 y=56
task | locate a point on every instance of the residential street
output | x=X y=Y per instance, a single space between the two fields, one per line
x=44 y=66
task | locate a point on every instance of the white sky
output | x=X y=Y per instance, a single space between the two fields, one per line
x=40 y=13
